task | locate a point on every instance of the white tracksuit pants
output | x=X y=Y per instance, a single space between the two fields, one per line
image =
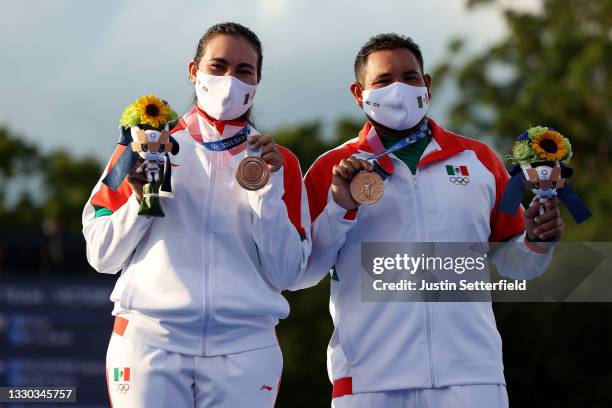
x=139 y=376
x=458 y=396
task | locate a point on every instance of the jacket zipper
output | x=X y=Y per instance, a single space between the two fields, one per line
x=206 y=279
x=432 y=376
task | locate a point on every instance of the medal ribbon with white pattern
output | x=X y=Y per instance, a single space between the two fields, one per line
x=422 y=132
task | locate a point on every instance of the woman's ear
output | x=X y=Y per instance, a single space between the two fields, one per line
x=357 y=92
x=192 y=69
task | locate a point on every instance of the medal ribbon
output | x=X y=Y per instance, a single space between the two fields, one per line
x=400 y=144
x=422 y=132
x=228 y=143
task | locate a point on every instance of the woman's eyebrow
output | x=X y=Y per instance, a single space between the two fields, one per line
x=246 y=65
x=218 y=59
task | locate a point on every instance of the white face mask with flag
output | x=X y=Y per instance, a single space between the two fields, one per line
x=223 y=97
x=397 y=106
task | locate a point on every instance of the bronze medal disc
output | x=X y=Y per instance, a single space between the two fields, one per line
x=252 y=173
x=367 y=187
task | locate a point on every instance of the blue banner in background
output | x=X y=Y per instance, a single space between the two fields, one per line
x=55 y=333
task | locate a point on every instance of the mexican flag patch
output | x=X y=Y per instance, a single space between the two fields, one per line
x=457 y=170
x=423 y=100
x=122 y=374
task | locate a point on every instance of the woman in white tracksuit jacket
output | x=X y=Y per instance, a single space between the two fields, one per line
x=198 y=297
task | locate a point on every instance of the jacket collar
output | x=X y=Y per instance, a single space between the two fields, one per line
x=443 y=145
x=219 y=125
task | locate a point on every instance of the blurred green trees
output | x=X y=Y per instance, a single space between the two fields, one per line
x=36 y=187
x=307 y=140
x=552 y=69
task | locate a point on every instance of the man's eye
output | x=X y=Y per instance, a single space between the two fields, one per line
x=144 y=147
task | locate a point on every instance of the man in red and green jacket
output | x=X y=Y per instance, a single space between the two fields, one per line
x=440 y=187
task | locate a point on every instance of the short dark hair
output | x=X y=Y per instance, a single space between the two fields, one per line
x=380 y=42
x=229 y=28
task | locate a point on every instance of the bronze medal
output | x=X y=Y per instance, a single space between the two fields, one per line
x=252 y=173
x=367 y=187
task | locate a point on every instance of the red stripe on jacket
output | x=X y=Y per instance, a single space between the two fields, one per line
x=319 y=176
x=342 y=387
x=503 y=226
x=292 y=183
x=105 y=196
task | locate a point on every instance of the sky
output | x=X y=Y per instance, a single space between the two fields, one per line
x=69 y=67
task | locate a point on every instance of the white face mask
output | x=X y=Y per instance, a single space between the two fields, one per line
x=397 y=106
x=223 y=97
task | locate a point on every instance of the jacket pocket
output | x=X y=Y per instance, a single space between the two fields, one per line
x=341 y=327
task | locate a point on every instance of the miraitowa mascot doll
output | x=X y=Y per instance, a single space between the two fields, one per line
x=144 y=130
x=540 y=156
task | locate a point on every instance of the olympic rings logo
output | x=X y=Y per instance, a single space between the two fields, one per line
x=123 y=388
x=459 y=181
